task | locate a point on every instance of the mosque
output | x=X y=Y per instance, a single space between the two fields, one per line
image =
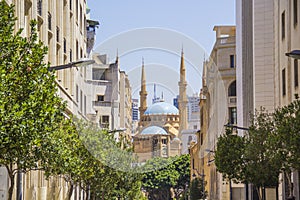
x=161 y=124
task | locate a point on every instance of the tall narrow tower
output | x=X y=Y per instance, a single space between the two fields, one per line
x=143 y=93
x=182 y=101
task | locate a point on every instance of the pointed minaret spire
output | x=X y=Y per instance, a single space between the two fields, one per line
x=182 y=101
x=143 y=92
x=182 y=67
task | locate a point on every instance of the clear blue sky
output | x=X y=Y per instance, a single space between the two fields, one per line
x=193 y=20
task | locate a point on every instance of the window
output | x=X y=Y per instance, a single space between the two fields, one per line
x=81 y=100
x=39 y=7
x=193 y=163
x=84 y=109
x=77 y=93
x=71 y=56
x=201 y=138
x=283 y=25
x=195 y=127
x=80 y=18
x=164 y=141
x=70 y=2
x=100 y=98
x=76 y=10
x=232 y=63
x=190 y=139
x=104 y=123
x=295 y=12
x=65 y=45
x=77 y=50
x=57 y=34
x=232 y=115
x=201 y=117
x=232 y=89
x=283 y=83
x=49 y=21
x=296 y=80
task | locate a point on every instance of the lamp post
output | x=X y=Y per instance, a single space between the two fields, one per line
x=79 y=63
x=294 y=54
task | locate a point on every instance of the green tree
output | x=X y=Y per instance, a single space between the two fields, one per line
x=197 y=189
x=30 y=108
x=182 y=167
x=158 y=180
x=250 y=158
x=111 y=165
x=229 y=155
x=286 y=139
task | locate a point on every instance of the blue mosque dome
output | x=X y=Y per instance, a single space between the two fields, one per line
x=161 y=108
x=154 y=130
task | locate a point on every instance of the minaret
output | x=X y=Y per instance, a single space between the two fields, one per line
x=182 y=101
x=143 y=93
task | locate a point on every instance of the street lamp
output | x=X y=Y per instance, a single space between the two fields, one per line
x=79 y=63
x=294 y=54
x=236 y=127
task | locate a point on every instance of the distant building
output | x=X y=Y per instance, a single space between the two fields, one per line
x=175 y=102
x=193 y=111
x=135 y=109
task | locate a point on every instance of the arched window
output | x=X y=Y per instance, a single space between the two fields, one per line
x=232 y=89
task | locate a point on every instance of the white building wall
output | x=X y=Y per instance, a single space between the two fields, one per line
x=263 y=55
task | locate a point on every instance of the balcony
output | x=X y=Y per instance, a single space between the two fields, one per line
x=226 y=41
x=102 y=103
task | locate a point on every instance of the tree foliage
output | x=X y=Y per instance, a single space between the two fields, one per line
x=30 y=109
x=271 y=146
x=158 y=181
x=197 y=189
x=35 y=135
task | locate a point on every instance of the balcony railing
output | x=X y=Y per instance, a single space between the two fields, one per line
x=102 y=103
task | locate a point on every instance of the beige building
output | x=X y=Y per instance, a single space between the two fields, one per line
x=62 y=26
x=217 y=108
x=286 y=70
x=266 y=31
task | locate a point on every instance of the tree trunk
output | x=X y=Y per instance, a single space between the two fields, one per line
x=12 y=181
x=290 y=184
x=87 y=192
x=70 y=191
x=258 y=193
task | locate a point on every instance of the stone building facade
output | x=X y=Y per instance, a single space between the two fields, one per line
x=217 y=108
